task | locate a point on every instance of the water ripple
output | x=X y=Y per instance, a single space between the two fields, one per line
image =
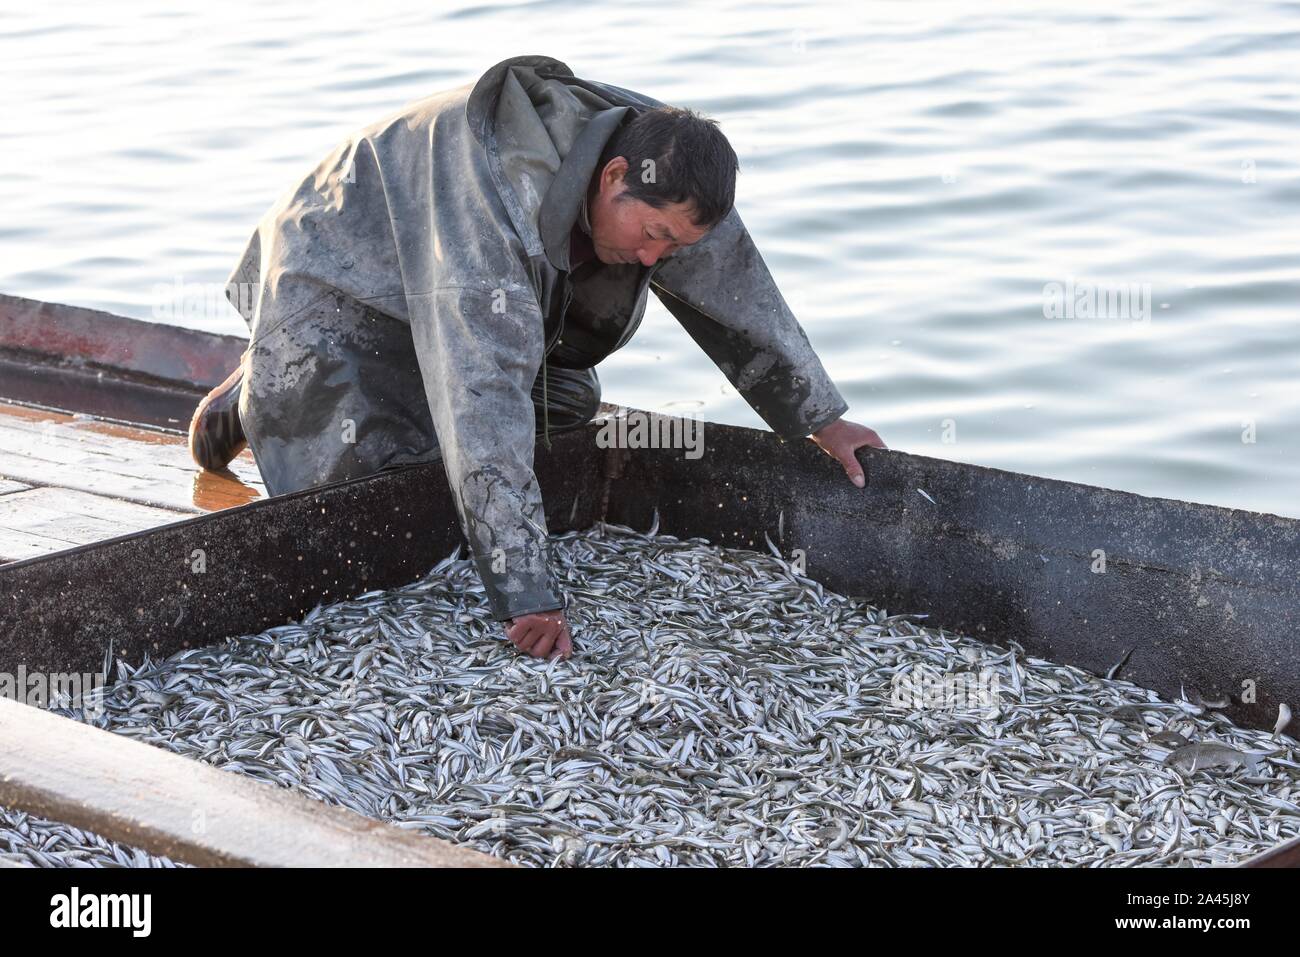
x=916 y=179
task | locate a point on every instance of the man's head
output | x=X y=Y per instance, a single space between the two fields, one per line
x=665 y=179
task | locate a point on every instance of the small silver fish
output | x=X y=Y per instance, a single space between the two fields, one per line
x=1283 y=718
x=1114 y=669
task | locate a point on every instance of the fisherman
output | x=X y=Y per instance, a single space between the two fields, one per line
x=442 y=285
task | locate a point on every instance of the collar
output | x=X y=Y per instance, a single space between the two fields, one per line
x=584 y=220
x=566 y=198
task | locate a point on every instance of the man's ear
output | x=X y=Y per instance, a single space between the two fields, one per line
x=613 y=173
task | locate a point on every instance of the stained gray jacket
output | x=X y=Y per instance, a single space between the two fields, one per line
x=454 y=217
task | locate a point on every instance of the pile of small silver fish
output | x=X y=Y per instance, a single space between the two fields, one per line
x=719 y=709
x=32 y=841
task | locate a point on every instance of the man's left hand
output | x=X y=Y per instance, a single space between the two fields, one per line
x=841 y=439
x=542 y=634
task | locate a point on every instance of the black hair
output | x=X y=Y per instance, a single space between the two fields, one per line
x=677 y=156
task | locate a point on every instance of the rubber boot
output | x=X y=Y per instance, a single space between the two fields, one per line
x=216 y=434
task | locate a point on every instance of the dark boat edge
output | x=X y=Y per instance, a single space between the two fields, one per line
x=85 y=360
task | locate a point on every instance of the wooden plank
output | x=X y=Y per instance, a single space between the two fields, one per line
x=67 y=480
x=15 y=545
x=41 y=447
x=183 y=491
x=127 y=791
x=78 y=518
x=135 y=453
x=82 y=428
x=129 y=465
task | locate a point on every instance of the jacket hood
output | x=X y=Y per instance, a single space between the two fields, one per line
x=544 y=131
x=562 y=203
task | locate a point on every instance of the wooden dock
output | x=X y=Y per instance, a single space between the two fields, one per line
x=68 y=480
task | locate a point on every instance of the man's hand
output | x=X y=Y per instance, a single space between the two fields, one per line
x=543 y=634
x=841 y=439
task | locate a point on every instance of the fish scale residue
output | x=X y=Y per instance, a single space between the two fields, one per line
x=719 y=709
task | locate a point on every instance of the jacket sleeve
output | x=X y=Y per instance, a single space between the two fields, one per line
x=479 y=350
x=721 y=292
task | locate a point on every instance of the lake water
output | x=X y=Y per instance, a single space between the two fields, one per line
x=1058 y=241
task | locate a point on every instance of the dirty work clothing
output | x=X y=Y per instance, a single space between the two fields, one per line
x=453 y=218
x=366 y=361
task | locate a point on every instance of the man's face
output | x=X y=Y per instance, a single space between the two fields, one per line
x=626 y=230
